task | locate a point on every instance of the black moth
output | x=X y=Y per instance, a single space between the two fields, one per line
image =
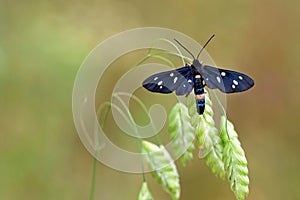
x=196 y=76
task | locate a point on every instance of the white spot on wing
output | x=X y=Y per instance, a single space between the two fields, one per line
x=160 y=82
x=240 y=77
x=189 y=80
x=233 y=86
x=184 y=85
x=160 y=87
x=172 y=74
x=218 y=79
x=175 y=80
x=223 y=74
x=155 y=78
x=235 y=82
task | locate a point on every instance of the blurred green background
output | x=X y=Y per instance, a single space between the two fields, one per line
x=43 y=44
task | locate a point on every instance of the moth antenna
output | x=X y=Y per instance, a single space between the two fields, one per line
x=185 y=48
x=211 y=37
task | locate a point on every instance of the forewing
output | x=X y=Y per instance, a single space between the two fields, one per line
x=226 y=81
x=179 y=80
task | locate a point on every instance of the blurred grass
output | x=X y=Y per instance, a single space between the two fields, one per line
x=42 y=44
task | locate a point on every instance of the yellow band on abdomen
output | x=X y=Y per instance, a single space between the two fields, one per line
x=200 y=96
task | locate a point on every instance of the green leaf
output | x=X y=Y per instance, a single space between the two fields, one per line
x=209 y=140
x=145 y=193
x=181 y=132
x=164 y=169
x=235 y=160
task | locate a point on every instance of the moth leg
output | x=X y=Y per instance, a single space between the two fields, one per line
x=188 y=94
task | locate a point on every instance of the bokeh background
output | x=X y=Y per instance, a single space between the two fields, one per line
x=43 y=43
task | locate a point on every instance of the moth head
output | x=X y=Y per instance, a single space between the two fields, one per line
x=196 y=63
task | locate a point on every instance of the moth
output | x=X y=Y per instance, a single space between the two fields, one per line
x=197 y=76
